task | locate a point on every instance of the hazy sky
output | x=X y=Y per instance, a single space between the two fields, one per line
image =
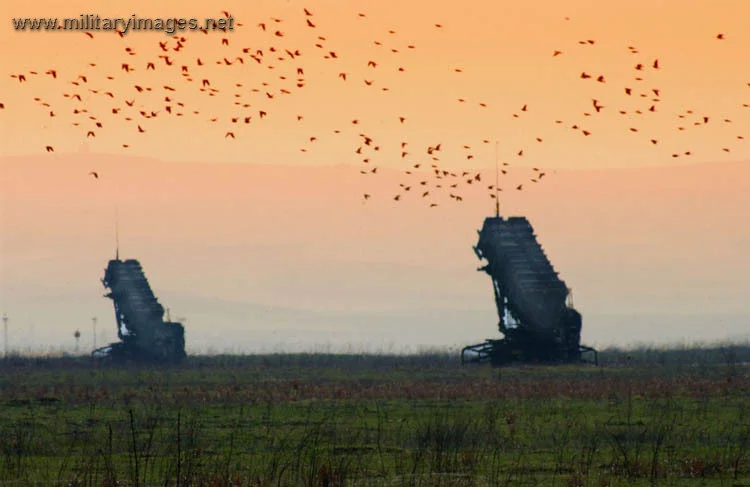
x=263 y=239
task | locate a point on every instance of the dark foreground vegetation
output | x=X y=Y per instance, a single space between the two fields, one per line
x=644 y=417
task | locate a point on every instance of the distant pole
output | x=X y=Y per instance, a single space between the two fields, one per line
x=497 y=179
x=93 y=321
x=77 y=336
x=5 y=335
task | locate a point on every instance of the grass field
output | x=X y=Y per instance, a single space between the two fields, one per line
x=644 y=417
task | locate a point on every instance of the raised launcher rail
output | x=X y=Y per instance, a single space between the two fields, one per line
x=537 y=323
x=144 y=335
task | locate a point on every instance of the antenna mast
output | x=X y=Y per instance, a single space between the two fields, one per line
x=117 y=236
x=497 y=181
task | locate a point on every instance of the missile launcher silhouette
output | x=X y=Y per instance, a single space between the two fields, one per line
x=536 y=320
x=143 y=333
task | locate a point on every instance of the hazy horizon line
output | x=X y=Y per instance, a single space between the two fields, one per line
x=370 y=349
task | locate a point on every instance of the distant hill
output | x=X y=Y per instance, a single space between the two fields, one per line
x=273 y=255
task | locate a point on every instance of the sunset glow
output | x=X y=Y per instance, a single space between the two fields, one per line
x=275 y=158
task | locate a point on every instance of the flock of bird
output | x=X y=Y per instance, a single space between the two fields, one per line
x=138 y=103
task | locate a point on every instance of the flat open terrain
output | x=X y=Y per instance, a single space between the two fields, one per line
x=676 y=417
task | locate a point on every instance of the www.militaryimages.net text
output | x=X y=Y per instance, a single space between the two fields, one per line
x=124 y=25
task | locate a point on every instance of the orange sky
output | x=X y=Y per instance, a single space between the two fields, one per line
x=243 y=231
x=504 y=50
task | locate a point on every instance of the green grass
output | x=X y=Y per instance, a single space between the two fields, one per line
x=644 y=417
